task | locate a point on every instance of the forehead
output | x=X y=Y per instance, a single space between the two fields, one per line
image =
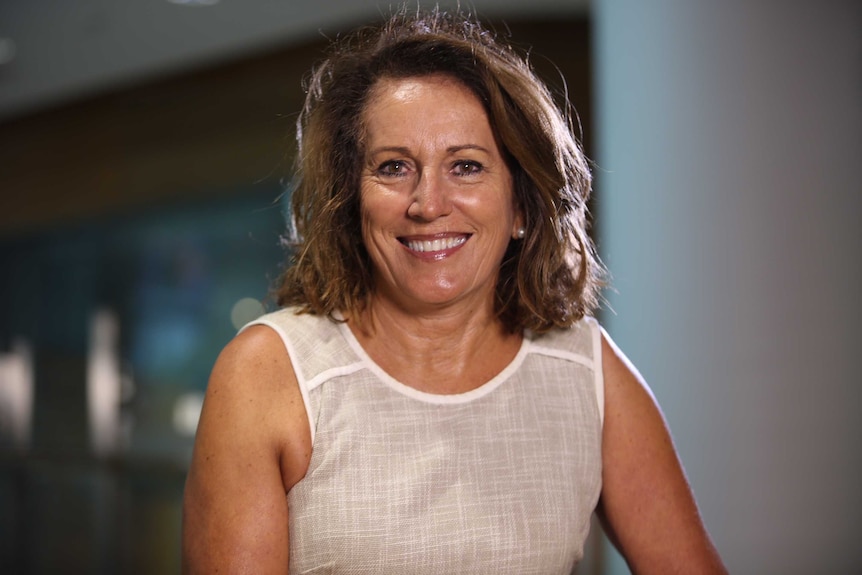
x=402 y=88
x=432 y=101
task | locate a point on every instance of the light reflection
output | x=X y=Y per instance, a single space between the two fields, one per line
x=245 y=310
x=7 y=50
x=16 y=393
x=187 y=412
x=194 y=2
x=104 y=383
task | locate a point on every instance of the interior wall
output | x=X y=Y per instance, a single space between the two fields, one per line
x=729 y=138
x=200 y=134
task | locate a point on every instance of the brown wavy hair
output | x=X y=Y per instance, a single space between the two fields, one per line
x=549 y=279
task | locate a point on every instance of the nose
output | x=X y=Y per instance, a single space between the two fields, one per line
x=430 y=198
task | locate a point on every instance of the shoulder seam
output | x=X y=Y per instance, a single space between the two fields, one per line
x=562 y=354
x=333 y=372
x=598 y=371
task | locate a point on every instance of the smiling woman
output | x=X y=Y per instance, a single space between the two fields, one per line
x=434 y=397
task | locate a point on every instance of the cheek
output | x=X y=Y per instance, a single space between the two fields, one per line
x=367 y=211
x=374 y=212
x=377 y=206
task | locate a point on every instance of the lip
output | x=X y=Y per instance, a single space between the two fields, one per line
x=434 y=246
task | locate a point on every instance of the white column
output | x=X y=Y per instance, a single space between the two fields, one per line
x=729 y=187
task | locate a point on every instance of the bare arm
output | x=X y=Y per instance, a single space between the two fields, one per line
x=252 y=445
x=647 y=507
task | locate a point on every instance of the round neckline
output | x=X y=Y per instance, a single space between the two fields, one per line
x=436 y=398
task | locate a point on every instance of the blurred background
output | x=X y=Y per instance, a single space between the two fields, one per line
x=144 y=151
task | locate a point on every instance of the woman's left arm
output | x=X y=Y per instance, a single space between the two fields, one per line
x=646 y=507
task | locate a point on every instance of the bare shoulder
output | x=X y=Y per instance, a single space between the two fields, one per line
x=253 y=384
x=625 y=387
x=647 y=506
x=252 y=445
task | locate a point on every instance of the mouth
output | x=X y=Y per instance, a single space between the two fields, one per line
x=434 y=244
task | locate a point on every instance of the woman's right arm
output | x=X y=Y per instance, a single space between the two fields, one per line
x=252 y=445
x=647 y=507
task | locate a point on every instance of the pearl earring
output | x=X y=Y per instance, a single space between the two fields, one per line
x=520 y=233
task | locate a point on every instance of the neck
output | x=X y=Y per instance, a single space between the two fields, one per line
x=446 y=350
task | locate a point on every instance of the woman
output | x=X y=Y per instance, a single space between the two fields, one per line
x=433 y=396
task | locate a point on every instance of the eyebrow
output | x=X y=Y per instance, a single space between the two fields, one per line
x=396 y=149
x=450 y=149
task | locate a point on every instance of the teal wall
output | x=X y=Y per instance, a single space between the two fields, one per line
x=728 y=186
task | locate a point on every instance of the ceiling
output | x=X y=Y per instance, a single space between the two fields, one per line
x=54 y=51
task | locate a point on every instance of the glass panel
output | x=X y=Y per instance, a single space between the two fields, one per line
x=113 y=328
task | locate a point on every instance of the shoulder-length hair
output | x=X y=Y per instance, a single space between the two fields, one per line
x=550 y=278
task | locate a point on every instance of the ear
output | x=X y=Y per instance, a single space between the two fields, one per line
x=518 y=223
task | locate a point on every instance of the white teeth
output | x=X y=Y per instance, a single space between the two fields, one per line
x=436 y=245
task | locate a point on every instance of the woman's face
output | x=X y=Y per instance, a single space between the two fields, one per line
x=436 y=196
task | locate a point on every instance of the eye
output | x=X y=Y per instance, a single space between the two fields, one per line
x=467 y=168
x=392 y=168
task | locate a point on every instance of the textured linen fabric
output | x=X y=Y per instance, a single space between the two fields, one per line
x=501 y=479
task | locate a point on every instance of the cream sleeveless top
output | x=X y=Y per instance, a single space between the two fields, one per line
x=501 y=479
